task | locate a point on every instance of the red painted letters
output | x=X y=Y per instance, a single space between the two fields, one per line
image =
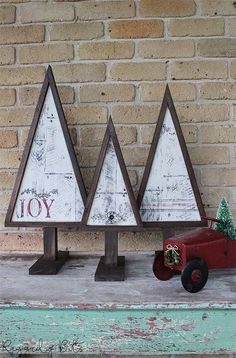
x=35 y=207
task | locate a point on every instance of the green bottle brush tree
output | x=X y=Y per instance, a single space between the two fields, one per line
x=227 y=224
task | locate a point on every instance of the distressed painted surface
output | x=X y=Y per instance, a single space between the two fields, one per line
x=111 y=204
x=169 y=195
x=117 y=331
x=70 y=313
x=49 y=191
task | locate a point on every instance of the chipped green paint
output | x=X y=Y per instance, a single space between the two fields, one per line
x=118 y=329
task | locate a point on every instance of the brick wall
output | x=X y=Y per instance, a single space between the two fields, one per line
x=115 y=57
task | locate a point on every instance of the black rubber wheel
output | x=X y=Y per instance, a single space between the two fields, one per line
x=195 y=275
x=161 y=272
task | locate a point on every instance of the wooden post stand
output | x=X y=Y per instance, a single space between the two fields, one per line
x=52 y=260
x=111 y=267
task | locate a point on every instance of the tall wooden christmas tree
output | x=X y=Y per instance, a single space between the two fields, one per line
x=49 y=191
x=169 y=194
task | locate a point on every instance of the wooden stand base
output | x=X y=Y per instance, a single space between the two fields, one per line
x=111 y=267
x=52 y=260
x=106 y=272
x=45 y=266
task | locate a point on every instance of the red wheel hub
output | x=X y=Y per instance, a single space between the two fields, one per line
x=196 y=275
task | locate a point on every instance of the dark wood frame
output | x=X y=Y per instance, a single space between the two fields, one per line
x=48 y=81
x=168 y=103
x=52 y=259
x=111 y=134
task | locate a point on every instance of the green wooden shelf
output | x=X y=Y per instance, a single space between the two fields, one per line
x=71 y=314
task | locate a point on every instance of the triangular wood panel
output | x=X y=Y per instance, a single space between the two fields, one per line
x=169 y=193
x=111 y=203
x=49 y=189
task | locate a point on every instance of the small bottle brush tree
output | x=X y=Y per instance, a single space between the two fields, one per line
x=224 y=214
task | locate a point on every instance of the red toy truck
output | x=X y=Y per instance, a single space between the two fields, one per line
x=192 y=254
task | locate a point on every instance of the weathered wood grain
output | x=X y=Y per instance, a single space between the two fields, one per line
x=141 y=316
x=77 y=279
x=169 y=195
x=49 y=191
x=169 y=192
x=111 y=203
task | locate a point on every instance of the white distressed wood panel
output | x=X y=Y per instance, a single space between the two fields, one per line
x=169 y=194
x=49 y=191
x=111 y=204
